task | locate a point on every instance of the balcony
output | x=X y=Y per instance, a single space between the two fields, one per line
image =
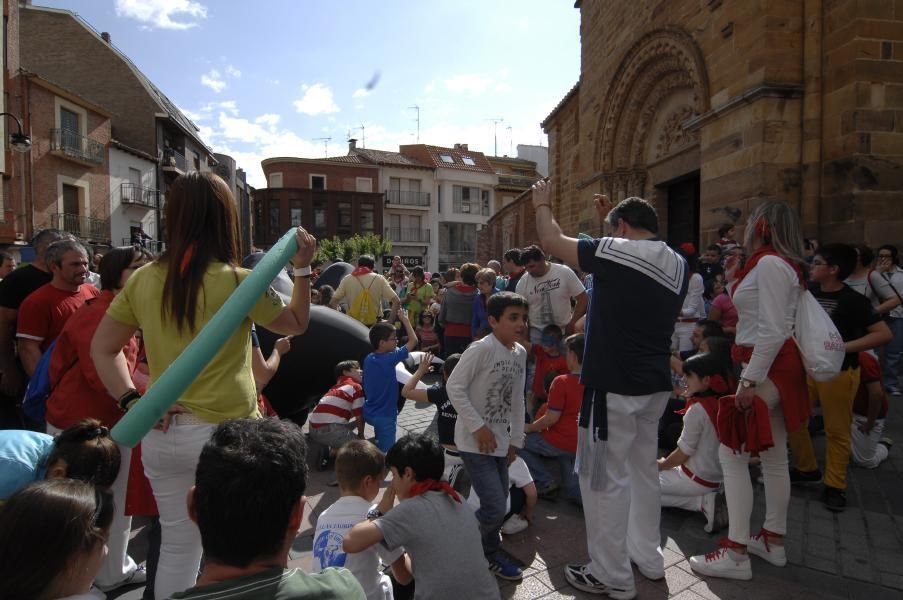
x=154 y=246
x=464 y=207
x=420 y=236
x=74 y=146
x=455 y=257
x=174 y=161
x=86 y=228
x=408 y=199
x=137 y=195
x=516 y=181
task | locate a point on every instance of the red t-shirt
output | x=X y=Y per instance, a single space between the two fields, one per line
x=869 y=372
x=544 y=364
x=43 y=314
x=77 y=391
x=565 y=396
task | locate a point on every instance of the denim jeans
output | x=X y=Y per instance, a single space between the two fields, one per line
x=385 y=431
x=170 y=460
x=489 y=479
x=894 y=349
x=535 y=448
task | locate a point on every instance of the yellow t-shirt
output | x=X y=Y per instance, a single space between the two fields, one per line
x=225 y=388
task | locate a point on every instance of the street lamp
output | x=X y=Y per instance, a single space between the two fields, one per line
x=18 y=141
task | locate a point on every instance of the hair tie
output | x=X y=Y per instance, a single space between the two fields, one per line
x=186 y=258
x=101 y=431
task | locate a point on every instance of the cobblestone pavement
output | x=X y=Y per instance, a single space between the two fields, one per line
x=855 y=554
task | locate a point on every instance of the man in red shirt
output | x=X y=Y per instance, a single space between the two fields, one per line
x=43 y=313
x=554 y=434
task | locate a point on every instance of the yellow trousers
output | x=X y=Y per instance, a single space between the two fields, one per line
x=836 y=398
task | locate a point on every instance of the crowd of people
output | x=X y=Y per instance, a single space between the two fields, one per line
x=648 y=376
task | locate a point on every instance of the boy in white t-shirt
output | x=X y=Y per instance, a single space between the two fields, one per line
x=522 y=498
x=360 y=468
x=690 y=476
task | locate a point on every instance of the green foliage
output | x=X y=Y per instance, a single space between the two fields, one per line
x=348 y=249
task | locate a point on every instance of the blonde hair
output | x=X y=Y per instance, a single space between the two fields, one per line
x=777 y=224
x=486 y=275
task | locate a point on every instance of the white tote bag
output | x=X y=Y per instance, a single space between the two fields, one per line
x=818 y=339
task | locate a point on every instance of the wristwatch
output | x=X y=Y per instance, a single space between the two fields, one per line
x=746 y=383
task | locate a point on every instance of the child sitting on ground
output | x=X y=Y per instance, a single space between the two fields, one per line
x=547 y=357
x=521 y=498
x=338 y=413
x=691 y=475
x=431 y=523
x=380 y=382
x=429 y=338
x=360 y=468
x=868 y=449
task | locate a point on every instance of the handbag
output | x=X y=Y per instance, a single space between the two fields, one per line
x=820 y=343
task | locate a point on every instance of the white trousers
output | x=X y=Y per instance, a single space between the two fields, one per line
x=170 y=460
x=865 y=451
x=738 y=488
x=681 y=339
x=622 y=519
x=679 y=491
x=117 y=565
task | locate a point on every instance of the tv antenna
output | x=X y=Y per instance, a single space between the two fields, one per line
x=417 y=108
x=363 y=135
x=510 y=141
x=495 y=137
x=325 y=141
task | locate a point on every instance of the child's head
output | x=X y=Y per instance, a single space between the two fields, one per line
x=449 y=365
x=414 y=458
x=359 y=468
x=833 y=262
x=469 y=273
x=507 y=313
x=486 y=281
x=84 y=451
x=383 y=337
x=705 y=328
x=348 y=368
x=551 y=339
x=575 y=345
x=704 y=371
x=426 y=320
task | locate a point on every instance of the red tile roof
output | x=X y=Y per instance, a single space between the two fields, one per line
x=432 y=154
x=386 y=158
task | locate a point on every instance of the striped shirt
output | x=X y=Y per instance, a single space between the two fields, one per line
x=342 y=403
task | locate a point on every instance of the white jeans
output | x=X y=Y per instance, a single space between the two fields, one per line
x=865 y=451
x=117 y=565
x=738 y=486
x=170 y=460
x=622 y=519
x=679 y=491
x=681 y=339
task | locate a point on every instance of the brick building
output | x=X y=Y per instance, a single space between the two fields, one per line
x=709 y=107
x=328 y=197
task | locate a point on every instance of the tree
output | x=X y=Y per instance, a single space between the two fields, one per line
x=348 y=249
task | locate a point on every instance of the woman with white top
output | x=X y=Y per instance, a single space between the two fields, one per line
x=766 y=293
x=693 y=308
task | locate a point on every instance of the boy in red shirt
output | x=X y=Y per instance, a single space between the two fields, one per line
x=547 y=357
x=554 y=434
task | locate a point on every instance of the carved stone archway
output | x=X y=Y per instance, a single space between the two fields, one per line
x=659 y=85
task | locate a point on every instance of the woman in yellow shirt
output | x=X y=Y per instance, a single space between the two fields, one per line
x=170 y=300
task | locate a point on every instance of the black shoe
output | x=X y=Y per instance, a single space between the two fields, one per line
x=834 y=499
x=804 y=477
x=323 y=462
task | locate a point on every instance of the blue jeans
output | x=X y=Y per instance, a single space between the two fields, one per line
x=894 y=349
x=489 y=479
x=385 y=431
x=536 y=447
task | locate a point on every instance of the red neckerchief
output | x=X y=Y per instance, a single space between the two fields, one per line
x=431 y=485
x=754 y=259
x=361 y=271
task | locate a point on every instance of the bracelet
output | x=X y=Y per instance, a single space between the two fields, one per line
x=302 y=271
x=128 y=399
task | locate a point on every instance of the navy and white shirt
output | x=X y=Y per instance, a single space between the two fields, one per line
x=637 y=293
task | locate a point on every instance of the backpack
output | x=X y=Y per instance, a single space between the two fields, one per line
x=34 y=404
x=820 y=343
x=364 y=307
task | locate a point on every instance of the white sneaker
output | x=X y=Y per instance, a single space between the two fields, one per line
x=514 y=524
x=773 y=553
x=722 y=563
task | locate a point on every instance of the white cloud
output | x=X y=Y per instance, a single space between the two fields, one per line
x=162 y=13
x=233 y=72
x=502 y=87
x=470 y=83
x=317 y=100
x=360 y=93
x=213 y=80
x=269 y=119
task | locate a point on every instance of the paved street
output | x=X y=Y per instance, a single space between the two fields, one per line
x=856 y=554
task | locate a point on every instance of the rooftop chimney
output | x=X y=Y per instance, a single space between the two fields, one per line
x=105 y=36
x=352 y=144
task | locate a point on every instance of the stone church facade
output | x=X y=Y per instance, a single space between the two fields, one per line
x=708 y=107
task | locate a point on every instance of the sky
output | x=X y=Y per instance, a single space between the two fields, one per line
x=270 y=78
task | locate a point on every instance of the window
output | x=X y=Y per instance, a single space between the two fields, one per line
x=344 y=218
x=295 y=213
x=196 y=160
x=367 y=218
x=71 y=198
x=485 y=203
x=318 y=182
x=363 y=184
x=468 y=161
x=320 y=218
x=69 y=120
x=465 y=199
x=275 y=180
x=275 y=229
x=446 y=158
x=395 y=221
